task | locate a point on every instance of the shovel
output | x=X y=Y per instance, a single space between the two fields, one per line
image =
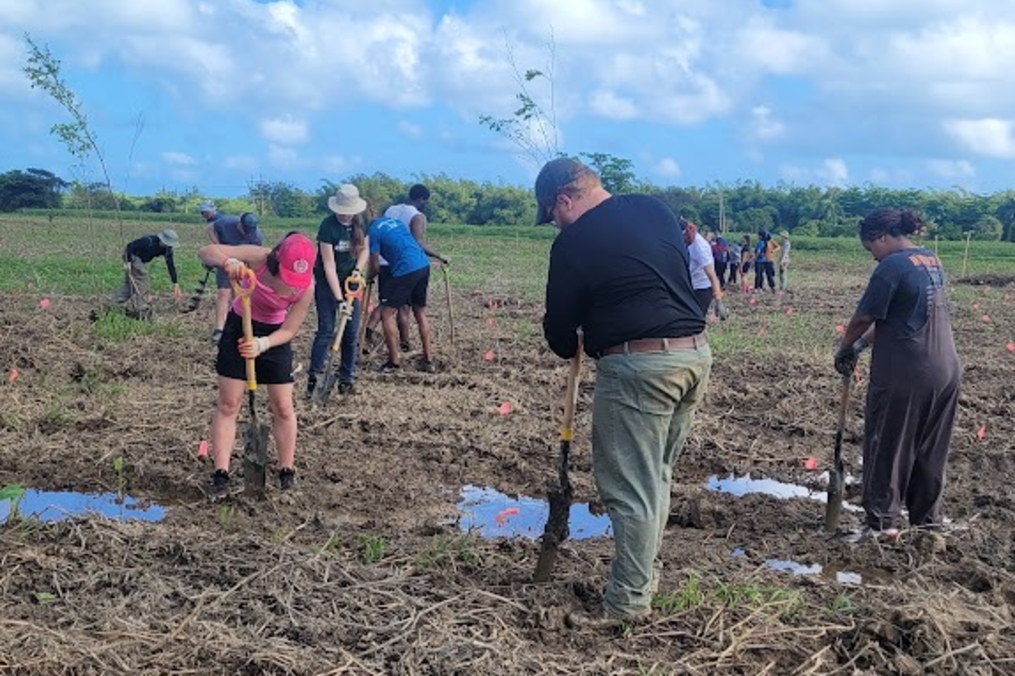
x=837 y=475
x=325 y=385
x=447 y=298
x=195 y=299
x=559 y=496
x=255 y=436
x=364 y=314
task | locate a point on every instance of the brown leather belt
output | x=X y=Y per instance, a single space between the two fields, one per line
x=657 y=345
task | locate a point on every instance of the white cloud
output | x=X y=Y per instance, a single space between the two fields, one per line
x=832 y=172
x=284 y=130
x=413 y=131
x=991 y=137
x=173 y=157
x=612 y=106
x=667 y=168
x=240 y=163
x=764 y=125
x=952 y=168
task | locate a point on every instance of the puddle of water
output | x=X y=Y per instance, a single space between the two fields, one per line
x=830 y=573
x=740 y=486
x=59 y=505
x=493 y=514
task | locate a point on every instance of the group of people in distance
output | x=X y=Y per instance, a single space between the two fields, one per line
x=636 y=304
x=765 y=259
x=351 y=247
x=634 y=301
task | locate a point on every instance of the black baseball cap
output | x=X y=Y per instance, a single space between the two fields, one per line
x=554 y=175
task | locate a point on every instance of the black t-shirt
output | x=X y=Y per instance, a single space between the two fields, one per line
x=621 y=273
x=148 y=247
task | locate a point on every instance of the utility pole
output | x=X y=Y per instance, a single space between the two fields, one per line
x=722 y=215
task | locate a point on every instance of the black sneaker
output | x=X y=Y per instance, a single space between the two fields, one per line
x=388 y=367
x=311 y=385
x=346 y=388
x=218 y=487
x=286 y=478
x=426 y=366
x=216 y=336
x=404 y=346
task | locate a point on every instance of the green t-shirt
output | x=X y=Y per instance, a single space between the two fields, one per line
x=340 y=238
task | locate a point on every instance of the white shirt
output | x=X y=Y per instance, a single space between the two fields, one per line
x=700 y=256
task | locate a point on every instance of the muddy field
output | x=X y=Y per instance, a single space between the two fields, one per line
x=365 y=569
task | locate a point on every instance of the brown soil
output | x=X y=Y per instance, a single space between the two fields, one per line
x=363 y=569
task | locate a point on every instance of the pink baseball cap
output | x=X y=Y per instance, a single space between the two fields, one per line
x=296 y=260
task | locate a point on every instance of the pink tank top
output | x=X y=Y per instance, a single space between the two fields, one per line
x=266 y=306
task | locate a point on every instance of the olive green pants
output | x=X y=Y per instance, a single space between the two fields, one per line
x=642 y=412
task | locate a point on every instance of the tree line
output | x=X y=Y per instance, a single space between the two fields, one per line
x=746 y=206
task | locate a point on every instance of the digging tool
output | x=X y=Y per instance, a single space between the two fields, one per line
x=195 y=299
x=447 y=297
x=255 y=437
x=837 y=475
x=326 y=383
x=364 y=315
x=559 y=496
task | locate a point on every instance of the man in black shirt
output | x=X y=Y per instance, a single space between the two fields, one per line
x=133 y=293
x=619 y=272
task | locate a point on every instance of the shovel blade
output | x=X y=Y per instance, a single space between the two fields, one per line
x=255 y=459
x=322 y=392
x=555 y=532
x=833 y=508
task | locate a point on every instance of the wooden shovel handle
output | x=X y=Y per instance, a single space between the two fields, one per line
x=244 y=293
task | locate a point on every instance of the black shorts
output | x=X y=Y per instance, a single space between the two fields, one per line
x=222 y=279
x=383 y=279
x=408 y=289
x=274 y=367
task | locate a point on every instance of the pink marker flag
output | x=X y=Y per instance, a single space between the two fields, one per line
x=489 y=321
x=985 y=318
x=13 y=376
x=841 y=328
x=789 y=311
x=982 y=432
x=44 y=303
x=976 y=306
x=504 y=408
x=753 y=301
x=488 y=356
x=811 y=463
x=1010 y=347
x=202 y=449
x=502 y=515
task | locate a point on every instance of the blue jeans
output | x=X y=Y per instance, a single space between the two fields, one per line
x=327 y=309
x=641 y=414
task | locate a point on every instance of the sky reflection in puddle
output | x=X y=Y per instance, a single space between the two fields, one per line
x=493 y=514
x=59 y=505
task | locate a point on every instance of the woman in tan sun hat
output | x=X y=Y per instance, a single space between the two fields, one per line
x=342 y=252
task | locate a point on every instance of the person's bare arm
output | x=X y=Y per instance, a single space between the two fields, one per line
x=716 y=286
x=216 y=255
x=417 y=226
x=327 y=254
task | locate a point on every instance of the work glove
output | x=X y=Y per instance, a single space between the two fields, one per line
x=250 y=349
x=721 y=311
x=235 y=268
x=848 y=355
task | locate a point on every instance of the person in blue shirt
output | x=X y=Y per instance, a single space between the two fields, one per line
x=231 y=231
x=407 y=284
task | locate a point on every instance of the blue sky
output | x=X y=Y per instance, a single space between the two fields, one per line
x=898 y=93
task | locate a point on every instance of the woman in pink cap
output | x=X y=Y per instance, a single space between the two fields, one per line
x=279 y=304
